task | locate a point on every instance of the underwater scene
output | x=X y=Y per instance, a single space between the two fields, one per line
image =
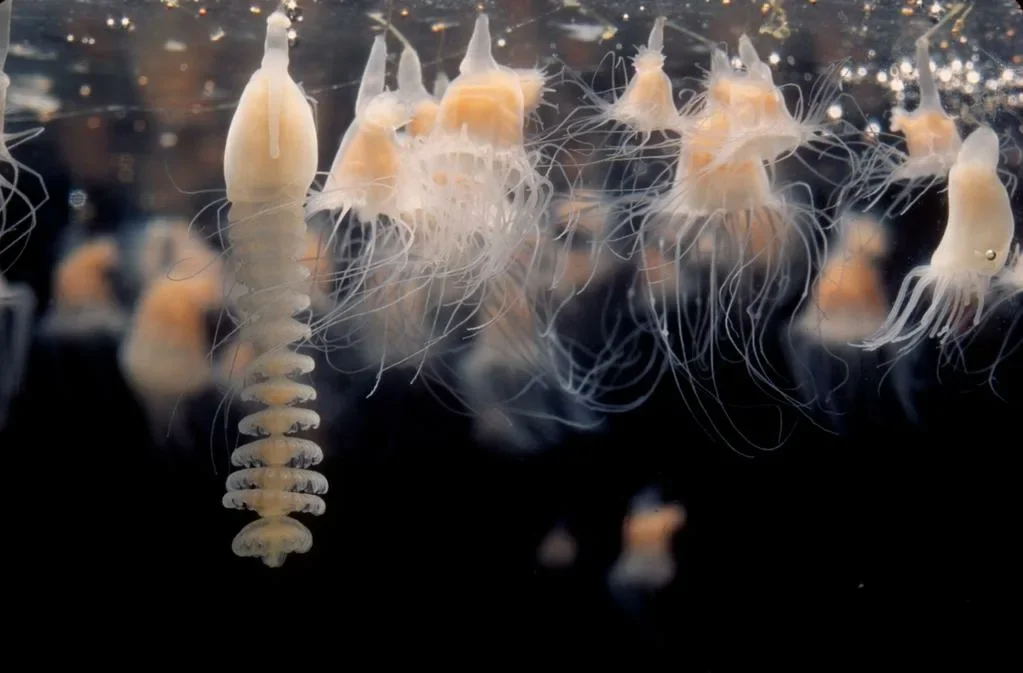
x=564 y=327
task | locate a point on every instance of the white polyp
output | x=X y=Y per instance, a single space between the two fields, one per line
x=269 y=163
x=756 y=68
x=370 y=139
x=929 y=98
x=980 y=225
x=931 y=151
x=440 y=84
x=648 y=104
x=285 y=165
x=655 y=42
x=479 y=55
x=980 y=149
x=973 y=250
x=719 y=194
x=410 y=77
x=374 y=75
x=720 y=66
x=759 y=123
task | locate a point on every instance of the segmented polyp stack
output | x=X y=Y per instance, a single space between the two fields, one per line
x=269 y=163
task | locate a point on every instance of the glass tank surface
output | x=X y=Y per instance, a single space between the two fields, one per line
x=574 y=325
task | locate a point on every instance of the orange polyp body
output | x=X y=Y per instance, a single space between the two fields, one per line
x=81 y=277
x=699 y=163
x=851 y=285
x=424 y=118
x=166 y=352
x=980 y=219
x=701 y=154
x=444 y=178
x=370 y=161
x=649 y=94
x=488 y=105
x=707 y=181
x=726 y=187
x=652 y=529
x=751 y=103
x=251 y=173
x=172 y=311
x=927 y=133
x=706 y=142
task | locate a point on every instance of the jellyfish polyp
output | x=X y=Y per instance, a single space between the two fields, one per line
x=932 y=139
x=269 y=163
x=945 y=299
x=739 y=244
x=648 y=104
x=454 y=191
x=84 y=299
x=932 y=144
x=164 y=354
x=848 y=304
x=720 y=243
x=422 y=106
x=706 y=182
x=753 y=111
x=646 y=561
x=364 y=171
x=645 y=106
